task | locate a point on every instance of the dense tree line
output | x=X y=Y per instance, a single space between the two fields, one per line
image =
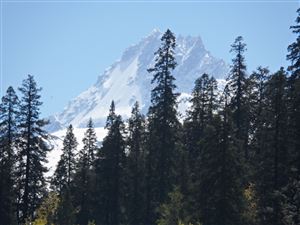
x=233 y=160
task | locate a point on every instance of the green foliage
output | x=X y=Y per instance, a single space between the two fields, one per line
x=251 y=210
x=47 y=211
x=234 y=160
x=173 y=212
x=65 y=209
x=91 y=223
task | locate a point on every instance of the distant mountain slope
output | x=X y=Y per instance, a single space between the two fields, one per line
x=127 y=81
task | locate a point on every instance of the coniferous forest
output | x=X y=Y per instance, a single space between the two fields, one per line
x=233 y=160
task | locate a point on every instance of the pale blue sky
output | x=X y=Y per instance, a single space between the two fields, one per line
x=66 y=45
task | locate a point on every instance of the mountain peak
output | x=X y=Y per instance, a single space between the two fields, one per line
x=127 y=80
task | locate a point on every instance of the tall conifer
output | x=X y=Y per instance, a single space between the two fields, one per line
x=136 y=167
x=162 y=128
x=32 y=151
x=110 y=172
x=8 y=139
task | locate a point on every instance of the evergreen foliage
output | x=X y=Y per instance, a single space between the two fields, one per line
x=110 y=172
x=32 y=151
x=65 y=210
x=237 y=85
x=294 y=95
x=47 y=211
x=85 y=174
x=65 y=171
x=162 y=128
x=136 y=167
x=173 y=212
x=272 y=168
x=234 y=160
x=8 y=141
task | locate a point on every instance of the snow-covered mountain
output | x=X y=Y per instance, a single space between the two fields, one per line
x=127 y=81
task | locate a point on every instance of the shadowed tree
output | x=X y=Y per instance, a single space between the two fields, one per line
x=162 y=125
x=8 y=139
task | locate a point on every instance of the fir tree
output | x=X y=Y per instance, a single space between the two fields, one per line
x=257 y=80
x=64 y=173
x=290 y=192
x=219 y=182
x=110 y=172
x=136 y=167
x=90 y=144
x=200 y=115
x=32 y=151
x=237 y=84
x=203 y=103
x=8 y=139
x=272 y=170
x=83 y=182
x=63 y=179
x=294 y=96
x=293 y=49
x=162 y=128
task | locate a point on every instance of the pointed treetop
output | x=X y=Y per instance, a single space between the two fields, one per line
x=112 y=106
x=238 y=46
x=169 y=38
x=90 y=123
x=112 y=116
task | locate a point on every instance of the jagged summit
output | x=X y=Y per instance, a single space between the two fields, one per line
x=127 y=80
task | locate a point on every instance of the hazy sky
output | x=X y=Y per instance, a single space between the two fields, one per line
x=66 y=45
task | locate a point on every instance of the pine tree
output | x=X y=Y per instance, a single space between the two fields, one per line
x=83 y=181
x=136 y=167
x=64 y=173
x=8 y=139
x=162 y=128
x=110 y=172
x=32 y=151
x=237 y=84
